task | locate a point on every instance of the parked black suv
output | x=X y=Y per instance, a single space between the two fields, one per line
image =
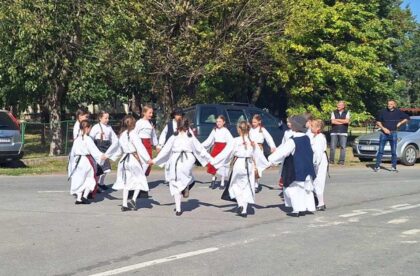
x=203 y=118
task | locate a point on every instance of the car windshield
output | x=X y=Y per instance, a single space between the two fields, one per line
x=412 y=126
x=6 y=122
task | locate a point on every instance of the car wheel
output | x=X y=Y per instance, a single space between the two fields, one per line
x=364 y=159
x=409 y=156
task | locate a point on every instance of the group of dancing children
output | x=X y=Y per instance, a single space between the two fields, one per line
x=239 y=161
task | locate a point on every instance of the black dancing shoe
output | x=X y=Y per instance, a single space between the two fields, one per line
x=295 y=215
x=258 y=189
x=309 y=213
x=103 y=187
x=301 y=214
x=85 y=200
x=133 y=204
x=239 y=209
x=213 y=184
x=178 y=213
x=80 y=202
x=321 y=208
x=125 y=209
x=244 y=215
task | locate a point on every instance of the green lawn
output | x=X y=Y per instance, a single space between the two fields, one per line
x=47 y=166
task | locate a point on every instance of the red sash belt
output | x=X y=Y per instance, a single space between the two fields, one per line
x=217 y=148
x=148 y=145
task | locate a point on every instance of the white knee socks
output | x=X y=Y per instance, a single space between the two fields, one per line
x=242 y=204
x=125 y=197
x=86 y=193
x=177 y=198
x=245 y=207
x=320 y=200
x=79 y=197
x=222 y=181
x=136 y=194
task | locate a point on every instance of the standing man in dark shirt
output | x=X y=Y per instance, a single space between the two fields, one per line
x=340 y=120
x=389 y=120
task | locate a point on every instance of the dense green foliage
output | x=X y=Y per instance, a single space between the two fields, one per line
x=294 y=55
x=341 y=50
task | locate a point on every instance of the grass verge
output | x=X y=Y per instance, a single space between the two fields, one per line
x=44 y=166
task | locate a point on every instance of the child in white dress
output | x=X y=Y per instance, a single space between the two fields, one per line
x=133 y=164
x=181 y=152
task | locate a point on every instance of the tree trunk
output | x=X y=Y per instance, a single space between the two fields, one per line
x=54 y=105
x=168 y=100
x=257 y=93
x=45 y=118
x=136 y=102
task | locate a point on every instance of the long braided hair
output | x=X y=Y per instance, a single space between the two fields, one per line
x=127 y=123
x=243 y=130
x=84 y=127
x=184 y=125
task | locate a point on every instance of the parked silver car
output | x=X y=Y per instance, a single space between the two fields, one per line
x=11 y=147
x=366 y=146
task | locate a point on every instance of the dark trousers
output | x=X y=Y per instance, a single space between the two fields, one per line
x=340 y=140
x=392 y=139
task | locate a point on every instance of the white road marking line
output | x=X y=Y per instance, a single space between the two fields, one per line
x=355 y=213
x=409 y=242
x=400 y=205
x=398 y=221
x=328 y=224
x=394 y=210
x=411 y=232
x=155 y=262
x=45 y=192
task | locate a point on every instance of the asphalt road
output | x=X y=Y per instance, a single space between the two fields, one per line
x=371 y=227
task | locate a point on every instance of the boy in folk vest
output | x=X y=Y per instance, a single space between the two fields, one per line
x=170 y=128
x=340 y=120
x=298 y=171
